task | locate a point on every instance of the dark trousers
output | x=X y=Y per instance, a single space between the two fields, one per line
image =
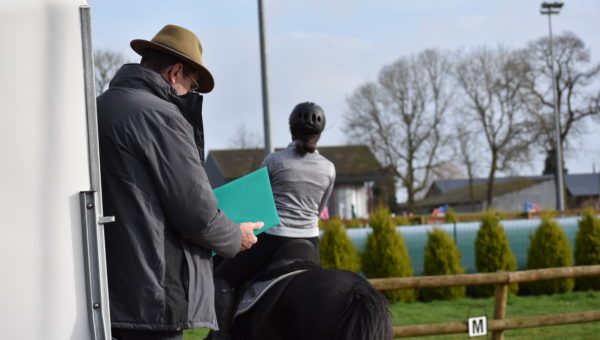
x=134 y=334
x=248 y=263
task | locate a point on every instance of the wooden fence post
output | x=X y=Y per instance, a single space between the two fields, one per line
x=500 y=308
x=501 y=280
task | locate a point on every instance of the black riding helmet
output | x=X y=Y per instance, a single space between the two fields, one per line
x=307 y=118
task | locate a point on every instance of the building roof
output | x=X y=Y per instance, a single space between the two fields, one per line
x=583 y=184
x=352 y=162
x=461 y=194
x=576 y=184
x=235 y=163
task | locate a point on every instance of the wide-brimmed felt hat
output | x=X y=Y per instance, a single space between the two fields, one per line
x=183 y=44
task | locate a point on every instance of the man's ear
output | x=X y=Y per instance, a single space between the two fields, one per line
x=170 y=73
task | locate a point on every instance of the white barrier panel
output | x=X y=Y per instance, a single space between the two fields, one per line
x=43 y=150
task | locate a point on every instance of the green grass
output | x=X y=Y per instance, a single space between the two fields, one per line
x=195 y=334
x=518 y=306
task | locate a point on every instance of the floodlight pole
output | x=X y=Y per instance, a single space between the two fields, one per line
x=265 y=87
x=550 y=8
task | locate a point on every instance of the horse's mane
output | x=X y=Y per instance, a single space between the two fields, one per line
x=365 y=316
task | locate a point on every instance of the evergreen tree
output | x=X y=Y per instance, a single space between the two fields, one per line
x=492 y=252
x=442 y=258
x=450 y=216
x=587 y=248
x=549 y=247
x=336 y=248
x=386 y=254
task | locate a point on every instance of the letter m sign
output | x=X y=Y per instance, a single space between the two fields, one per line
x=477 y=326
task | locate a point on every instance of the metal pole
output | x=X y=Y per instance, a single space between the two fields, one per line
x=560 y=199
x=265 y=87
x=549 y=9
x=91 y=201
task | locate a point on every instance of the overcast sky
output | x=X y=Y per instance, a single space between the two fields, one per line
x=322 y=50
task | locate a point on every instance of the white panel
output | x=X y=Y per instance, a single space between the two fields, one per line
x=343 y=202
x=351 y=197
x=43 y=147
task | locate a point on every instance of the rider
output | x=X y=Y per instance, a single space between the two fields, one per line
x=302 y=181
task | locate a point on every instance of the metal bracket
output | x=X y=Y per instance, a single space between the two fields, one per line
x=106 y=219
x=94 y=263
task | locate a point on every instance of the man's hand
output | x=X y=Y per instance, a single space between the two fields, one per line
x=247 y=229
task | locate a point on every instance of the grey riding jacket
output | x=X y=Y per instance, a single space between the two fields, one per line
x=301 y=188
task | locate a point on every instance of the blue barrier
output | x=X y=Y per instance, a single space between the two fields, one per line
x=464 y=234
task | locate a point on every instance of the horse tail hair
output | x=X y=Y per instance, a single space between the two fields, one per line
x=366 y=315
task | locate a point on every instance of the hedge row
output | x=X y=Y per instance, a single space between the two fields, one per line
x=386 y=254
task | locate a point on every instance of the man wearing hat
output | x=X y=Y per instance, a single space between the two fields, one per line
x=151 y=138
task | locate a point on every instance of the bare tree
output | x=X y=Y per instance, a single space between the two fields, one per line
x=399 y=118
x=244 y=139
x=106 y=64
x=467 y=151
x=577 y=89
x=494 y=87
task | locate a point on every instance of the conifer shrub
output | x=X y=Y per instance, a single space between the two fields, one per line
x=450 y=216
x=323 y=224
x=442 y=258
x=336 y=249
x=353 y=223
x=386 y=254
x=548 y=248
x=401 y=220
x=492 y=252
x=587 y=248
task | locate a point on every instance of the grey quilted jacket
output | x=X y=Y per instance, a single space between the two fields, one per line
x=153 y=181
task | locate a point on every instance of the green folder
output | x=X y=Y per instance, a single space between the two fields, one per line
x=249 y=199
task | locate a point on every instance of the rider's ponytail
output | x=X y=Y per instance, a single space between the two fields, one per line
x=306 y=143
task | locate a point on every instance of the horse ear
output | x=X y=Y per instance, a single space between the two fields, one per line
x=299 y=249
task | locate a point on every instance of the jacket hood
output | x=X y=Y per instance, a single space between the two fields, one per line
x=142 y=78
x=139 y=77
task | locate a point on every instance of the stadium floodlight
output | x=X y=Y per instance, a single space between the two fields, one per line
x=550 y=8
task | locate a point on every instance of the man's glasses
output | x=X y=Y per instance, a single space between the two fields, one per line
x=195 y=85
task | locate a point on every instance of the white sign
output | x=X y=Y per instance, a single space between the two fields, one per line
x=477 y=326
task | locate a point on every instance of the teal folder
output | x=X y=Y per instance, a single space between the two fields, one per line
x=249 y=199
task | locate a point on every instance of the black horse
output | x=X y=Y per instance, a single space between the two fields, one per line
x=316 y=304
